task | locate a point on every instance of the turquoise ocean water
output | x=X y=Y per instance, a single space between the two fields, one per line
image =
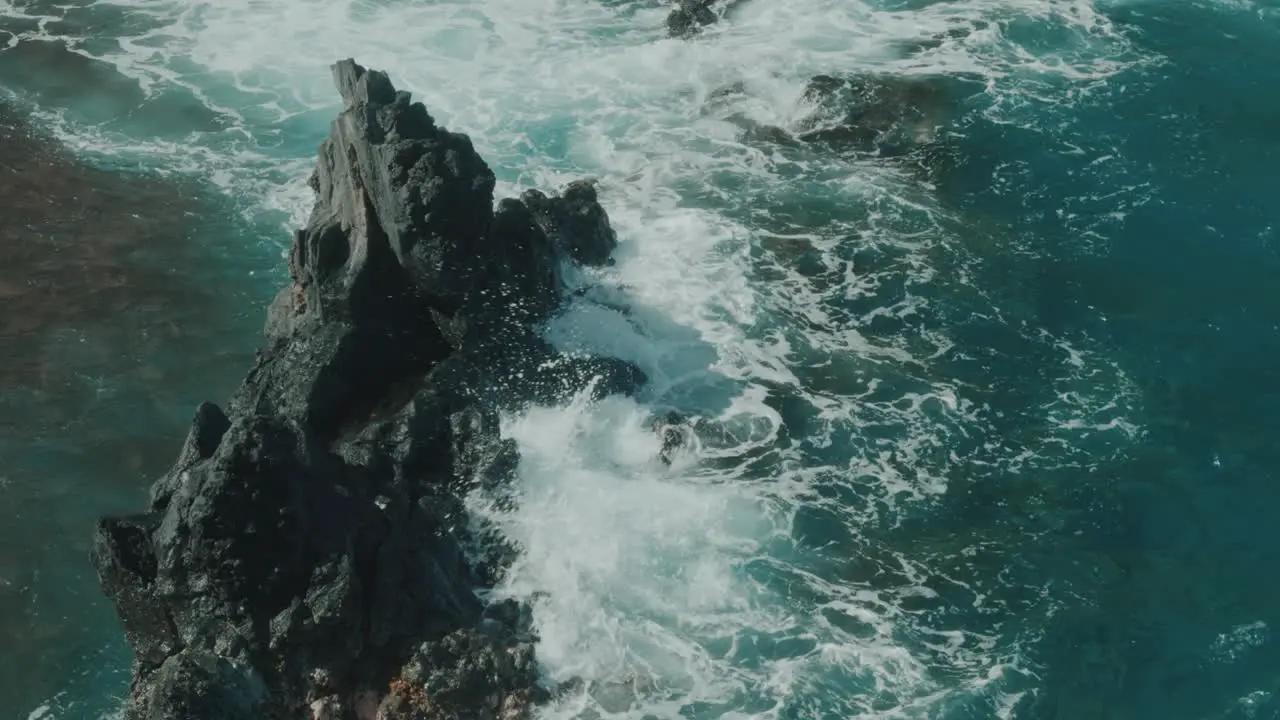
x=995 y=437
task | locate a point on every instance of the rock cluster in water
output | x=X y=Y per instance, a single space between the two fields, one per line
x=305 y=556
x=688 y=17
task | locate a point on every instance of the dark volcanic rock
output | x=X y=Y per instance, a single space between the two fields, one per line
x=482 y=673
x=202 y=685
x=690 y=16
x=305 y=555
x=207 y=429
x=576 y=223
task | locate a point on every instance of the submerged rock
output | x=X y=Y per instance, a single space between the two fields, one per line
x=879 y=115
x=958 y=33
x=887 y=115
x=305 y=553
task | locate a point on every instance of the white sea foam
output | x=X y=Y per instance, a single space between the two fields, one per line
x=1229 y=646
x=817 y=349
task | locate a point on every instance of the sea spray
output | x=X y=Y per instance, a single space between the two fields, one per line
x=957 y=414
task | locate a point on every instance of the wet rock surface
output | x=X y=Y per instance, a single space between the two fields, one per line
x=688 y=17
x=304 y=557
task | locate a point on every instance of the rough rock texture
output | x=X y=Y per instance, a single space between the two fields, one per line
x=482 y=673
x=576 y=222
x=305 y=555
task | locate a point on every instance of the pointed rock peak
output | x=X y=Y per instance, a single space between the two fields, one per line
x=358 y=85
x=306 y=554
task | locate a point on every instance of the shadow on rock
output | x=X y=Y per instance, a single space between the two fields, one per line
x=304 y=557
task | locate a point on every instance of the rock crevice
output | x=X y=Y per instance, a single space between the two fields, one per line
x=304 y=557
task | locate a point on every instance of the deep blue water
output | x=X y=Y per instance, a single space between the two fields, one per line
x=1023 y=404
x=1182 y=285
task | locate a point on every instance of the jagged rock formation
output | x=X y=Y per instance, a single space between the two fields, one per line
x=305 y=555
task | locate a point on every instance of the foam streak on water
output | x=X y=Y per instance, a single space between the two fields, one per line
x=825 y=320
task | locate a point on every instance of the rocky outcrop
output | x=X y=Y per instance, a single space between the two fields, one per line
x=688 y=17
x=308 y=555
